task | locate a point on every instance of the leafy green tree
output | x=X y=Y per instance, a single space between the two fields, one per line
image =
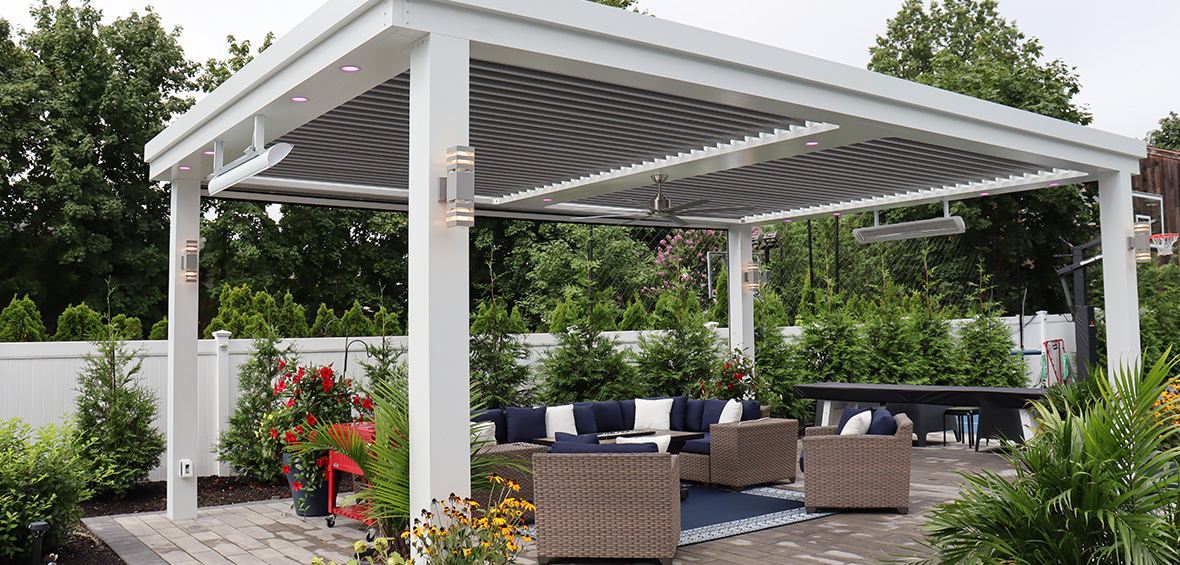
x=79 y=323
x=498 y=371
x=357 y=322
x=215 y=71
x=76 y=195
x=114 y=416
x=986 y=342
x=966 y=46
x=682 y=352
x=292 y=320
x=20 y=321
x=387 y=323
x=238 y=444
x=159 y=329
x=127 y=327
x=634 y=317
x=324 y=325
x=719 y=312
x=585 y=366
x=243 y=313
x=1168 y=135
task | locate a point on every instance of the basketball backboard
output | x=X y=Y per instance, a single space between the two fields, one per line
x=1149 y=208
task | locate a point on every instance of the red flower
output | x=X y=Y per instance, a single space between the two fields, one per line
x=290 y=437
x=730 y=387
x=286 y=469
x=280 y=386
x=367 y=404
x=282 y=364
x=290 y=403
x=298 y=485
x=327 y=386
x=322 y=461
x=298 y=429
x=274 y=433
x=728 y=365
x=325 y=373
x=300 y=375
x=310 y=420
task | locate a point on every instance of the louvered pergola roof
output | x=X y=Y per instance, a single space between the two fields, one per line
x=574 y=106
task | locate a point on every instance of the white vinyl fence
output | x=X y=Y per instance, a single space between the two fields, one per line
x=38 y=380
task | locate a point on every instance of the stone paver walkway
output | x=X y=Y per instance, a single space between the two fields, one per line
x=268 y=532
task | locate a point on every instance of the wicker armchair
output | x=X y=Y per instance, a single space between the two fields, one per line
x=607 y=505
x=522 y=454
x=861 y=471
x=745 y=453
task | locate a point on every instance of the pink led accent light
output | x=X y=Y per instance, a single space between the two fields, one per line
x=835 y=213
x=985 y=194
x=812 y=143
x=1054 y=184
x=210 y=153
x=350 y=68
x=546 y=200
x=185 y=168
x=299 y=99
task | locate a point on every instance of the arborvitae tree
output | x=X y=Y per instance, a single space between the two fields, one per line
x=292 y=320
x=323 y=325
x=357 y=323
x=127 y=327
x=987 y=344
x=386 y=322
x=20 y=321
x=498 y=374
x=113 y=416
x=773 y=355
x=586 y=308
x=238 y=444
x=831 y=345
x=769 y=311
x=79 y=323
x=586 y=365
x=233 y=311
x=159 y=329
x=675 y=360
x=890 y=347
x=562 y=316
x=720 y=311
x=635 y=317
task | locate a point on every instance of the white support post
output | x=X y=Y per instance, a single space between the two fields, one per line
x=741 y=298
x=1118 y=272
x=224 y=387
x=182 y=351
x=440 y=457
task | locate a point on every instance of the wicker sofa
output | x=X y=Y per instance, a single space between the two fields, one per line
x=518 y=467
x=602 y=505
x=858 y=471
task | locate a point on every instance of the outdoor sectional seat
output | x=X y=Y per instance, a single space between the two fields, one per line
x=607 y=505
x=518 y=468
x=753 y=451
x=858 y=471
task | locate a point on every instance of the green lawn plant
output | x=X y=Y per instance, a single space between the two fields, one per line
x=114 y=417
x=240 y=444
x=1096 y=484
x=42 y=479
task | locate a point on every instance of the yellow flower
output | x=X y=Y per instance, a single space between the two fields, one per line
x=467 y=551
x=317 y=561
x=512 y=546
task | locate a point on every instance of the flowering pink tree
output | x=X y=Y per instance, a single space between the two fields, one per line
x=682 y=257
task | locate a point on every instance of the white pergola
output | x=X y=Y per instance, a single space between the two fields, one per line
x=571 y=106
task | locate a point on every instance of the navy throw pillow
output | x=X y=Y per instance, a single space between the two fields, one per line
x=883 y=424
x=495 y=415
x=571 y=447
x=712 y=413
x=525 y=424
x=584 y=418
x=751 y=409
x=697 y=445
x=846 y=416
x=627 y=409
x=607 y=416
x=679 y=411
x=693 y=415
x=801 y=461
x=588 y=438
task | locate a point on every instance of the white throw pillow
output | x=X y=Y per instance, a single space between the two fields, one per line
x=731 y=413
x=653 y=414
x=660 y=441
x=858 y=425
x=560 y=419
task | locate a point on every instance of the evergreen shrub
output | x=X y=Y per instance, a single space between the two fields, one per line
x=240 y=445
x=586 y=366
x=498 y=373
x=20 y=321
x=682 y=353
x=42 y=479
x=79 y=323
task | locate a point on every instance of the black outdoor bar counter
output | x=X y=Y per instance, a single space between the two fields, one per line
x=1000 y=409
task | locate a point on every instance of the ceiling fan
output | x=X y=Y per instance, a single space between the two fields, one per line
x=661 y=207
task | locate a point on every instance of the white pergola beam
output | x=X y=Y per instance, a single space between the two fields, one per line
x=1119 y=272
x=183 y=297
x=739 y=153
x=440 y=457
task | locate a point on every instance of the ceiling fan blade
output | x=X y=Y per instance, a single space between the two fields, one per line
x=640 y=215
x=686 y=205
x=674 y=218
x=707 y=210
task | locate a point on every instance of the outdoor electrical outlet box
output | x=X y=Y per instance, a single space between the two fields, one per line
x=186 y=468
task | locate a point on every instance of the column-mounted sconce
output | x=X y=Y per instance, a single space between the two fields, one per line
x=754 y=277
x=458 y=188
x=190 y=260
x=1141 y=242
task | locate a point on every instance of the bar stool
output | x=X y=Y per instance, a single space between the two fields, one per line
x=963 y=414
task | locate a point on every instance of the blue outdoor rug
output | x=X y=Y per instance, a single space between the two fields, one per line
x=710 y=514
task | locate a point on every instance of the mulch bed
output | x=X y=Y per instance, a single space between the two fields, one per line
x=84 y=548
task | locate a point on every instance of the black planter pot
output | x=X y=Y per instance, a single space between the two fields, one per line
x=308 y=502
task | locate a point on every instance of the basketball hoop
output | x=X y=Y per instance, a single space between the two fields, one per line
x=1164 y=242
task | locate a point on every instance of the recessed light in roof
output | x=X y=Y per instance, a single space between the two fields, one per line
x=1054 y=184
x=209 y=152
x=812 y=143
x=185 y=168
x=787 y=221
x=985 y=194
x=299 y=99
x=835 y=213
x=350 y=68
x=546 y=200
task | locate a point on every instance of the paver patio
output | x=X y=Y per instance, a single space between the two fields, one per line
x=269 y=532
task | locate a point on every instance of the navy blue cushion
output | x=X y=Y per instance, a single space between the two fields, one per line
x=693 y=414
x=751 y=409
x=846 y=416
x=571 y=447
x=883 y=423
x=588 y=438
x=677 y=415
x=497 y=416
x=525 y=424
x=627 y=408
x=800 y=460
x=584 y=418
x=712 y=413
x=607 y=416
x=697 y=445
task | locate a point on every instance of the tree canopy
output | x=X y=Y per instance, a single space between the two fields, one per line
x=1168 y=135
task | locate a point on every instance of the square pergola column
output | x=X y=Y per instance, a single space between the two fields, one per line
x=181 y=427
x=1120 y=288
x=741 y=298
x=440 y=459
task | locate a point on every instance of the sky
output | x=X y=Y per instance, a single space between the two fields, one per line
x=1121 y=48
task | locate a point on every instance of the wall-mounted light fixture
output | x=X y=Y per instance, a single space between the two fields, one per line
x=458 y=188
x=190 y=259
x=1141 y=242
x=754 y=277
